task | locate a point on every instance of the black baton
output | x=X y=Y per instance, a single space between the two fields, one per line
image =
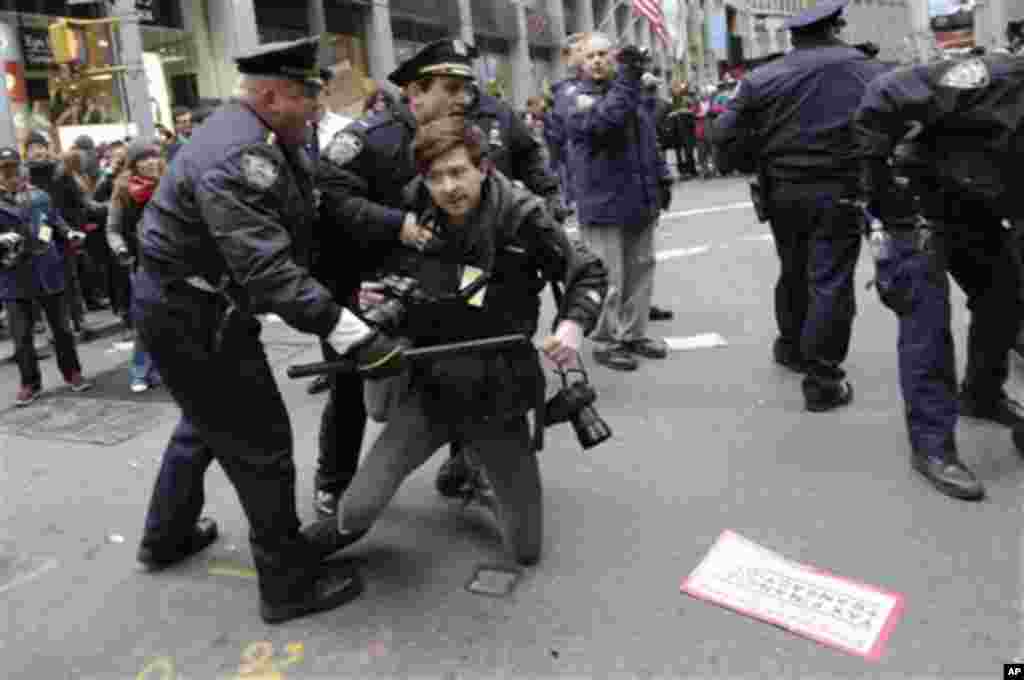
x=415 y=354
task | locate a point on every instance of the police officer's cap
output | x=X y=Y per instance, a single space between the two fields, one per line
x=8 y=154
x=829 y=9
x=295 y=60
x=441 y=58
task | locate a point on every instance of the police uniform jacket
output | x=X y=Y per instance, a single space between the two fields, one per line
x=237 y=208
x=792 y=117
x=511 y=146
x=965 y=118
x=40 y=268
x=515 y=242
x=616 y=164
x=362 y=173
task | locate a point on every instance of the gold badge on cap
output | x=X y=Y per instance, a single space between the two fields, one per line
x=969 y=75
x=460 y=48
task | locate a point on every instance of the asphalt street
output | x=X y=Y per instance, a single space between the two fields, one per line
x=705 y=441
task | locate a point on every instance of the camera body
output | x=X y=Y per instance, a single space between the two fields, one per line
x=574 y=403
x=391 y=314
x=12 y=245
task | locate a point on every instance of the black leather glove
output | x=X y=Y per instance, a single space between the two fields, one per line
x=869 y=49
x=380 y=356
x=635 y=61
x=886 y=200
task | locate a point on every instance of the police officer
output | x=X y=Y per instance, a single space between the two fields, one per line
x=492 y=231
x=790 y=119
x=941 y=198
x=224 y=239
x=514 y=151
x=362 y=174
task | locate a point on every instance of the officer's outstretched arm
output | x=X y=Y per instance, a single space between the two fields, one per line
x=369 y=224
x=582 y=273
x=592 y=116
x=241 y=201
x=734 y=132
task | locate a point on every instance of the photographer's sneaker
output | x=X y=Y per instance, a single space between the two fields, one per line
x=27 y=394
x=78 y=383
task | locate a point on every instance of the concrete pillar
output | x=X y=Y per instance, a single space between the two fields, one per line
x=9 y=52
x=208 y=75
x=138 y=109
x=522 y=86
x=556 y=14
x=920 y=28
x=586 y=15
x=231 y=26
x=466 y=22
x=318 y=26
x=380 y=40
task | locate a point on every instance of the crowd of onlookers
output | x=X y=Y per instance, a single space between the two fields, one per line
x=100 y=191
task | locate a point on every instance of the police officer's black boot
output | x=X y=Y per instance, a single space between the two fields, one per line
x=294 y=583
x=326 y=539
x=788 y=355
x=949 y=475
x=159 y=557
x=998 y=409
x=821 y=396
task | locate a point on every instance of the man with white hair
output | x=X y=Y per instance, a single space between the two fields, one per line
x=622 y=185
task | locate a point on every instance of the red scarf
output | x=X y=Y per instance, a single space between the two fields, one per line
x=141 y=188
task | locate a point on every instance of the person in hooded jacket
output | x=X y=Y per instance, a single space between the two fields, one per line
x=135 y=185
x=486 y=225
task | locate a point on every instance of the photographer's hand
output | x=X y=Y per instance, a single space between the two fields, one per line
x=563 y=347
x=413 y=234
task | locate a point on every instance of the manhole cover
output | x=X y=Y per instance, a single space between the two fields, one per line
x=89 y=421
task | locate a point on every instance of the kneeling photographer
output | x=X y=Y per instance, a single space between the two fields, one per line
x=494 y=250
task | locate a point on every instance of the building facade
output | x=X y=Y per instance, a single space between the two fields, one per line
x=186 y=50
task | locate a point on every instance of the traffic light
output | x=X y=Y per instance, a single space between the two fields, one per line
x=64 y=42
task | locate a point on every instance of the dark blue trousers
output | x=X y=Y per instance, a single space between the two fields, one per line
x=818 y=242
x=977 y=254
x=232 y=412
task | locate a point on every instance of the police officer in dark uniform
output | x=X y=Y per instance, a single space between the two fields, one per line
x=940 y=144
x=514 y=151
x=225 y=238
x=790 y=120
x=361 y=175
x=492 y=231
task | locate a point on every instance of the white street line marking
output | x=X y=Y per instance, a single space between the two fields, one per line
x=663 y=255
x=703 y=341
x=32 y=575
x=707 y=211
x=759 y=237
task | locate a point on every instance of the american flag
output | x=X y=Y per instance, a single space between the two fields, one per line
x=652 y=10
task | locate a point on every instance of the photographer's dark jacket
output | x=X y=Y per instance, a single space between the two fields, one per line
x=513 y=239
x=40 y=268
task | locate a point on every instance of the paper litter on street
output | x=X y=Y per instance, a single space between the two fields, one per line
x=702 y=341
x=752 y=580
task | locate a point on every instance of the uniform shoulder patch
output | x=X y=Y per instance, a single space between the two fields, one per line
x=584 y=102
x=260 y=171
x=344 y=147
x=972 y=74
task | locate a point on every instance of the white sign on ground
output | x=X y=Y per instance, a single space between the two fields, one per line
x=673 y=253
x=703 y=341
x=752 y=580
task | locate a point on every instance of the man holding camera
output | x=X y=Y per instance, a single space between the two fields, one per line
x=32 y=271
x=497 y=244
x=622 y=185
